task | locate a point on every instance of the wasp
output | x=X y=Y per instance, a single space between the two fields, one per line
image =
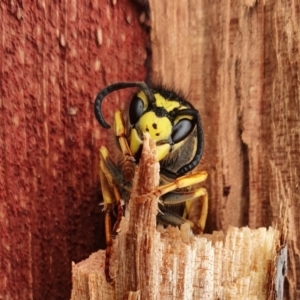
x=175 y=126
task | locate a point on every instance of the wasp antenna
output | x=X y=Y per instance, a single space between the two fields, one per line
x=115 y=87
x=97 y=107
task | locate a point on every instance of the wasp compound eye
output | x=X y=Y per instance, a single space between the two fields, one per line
x=136 y=109
x=182 y=129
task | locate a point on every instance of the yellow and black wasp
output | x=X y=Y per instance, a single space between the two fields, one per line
x=175 y=125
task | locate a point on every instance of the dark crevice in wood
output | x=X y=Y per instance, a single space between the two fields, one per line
x=245 y=184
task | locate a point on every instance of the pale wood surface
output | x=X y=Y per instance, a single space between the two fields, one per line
x=239 y=61
x=240 y=265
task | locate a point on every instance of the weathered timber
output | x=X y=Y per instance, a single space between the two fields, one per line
x=239 y=63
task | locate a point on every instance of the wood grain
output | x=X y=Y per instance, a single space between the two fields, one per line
x=242 y=60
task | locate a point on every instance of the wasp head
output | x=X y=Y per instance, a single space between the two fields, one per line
x=167 y=117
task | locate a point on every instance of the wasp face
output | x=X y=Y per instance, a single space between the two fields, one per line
x=161 y=120
x=167 y=117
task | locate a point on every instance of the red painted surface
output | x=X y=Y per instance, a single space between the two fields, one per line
x=54 y=58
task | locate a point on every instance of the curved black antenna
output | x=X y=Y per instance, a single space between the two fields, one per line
x=114 y=87
x=200 y=146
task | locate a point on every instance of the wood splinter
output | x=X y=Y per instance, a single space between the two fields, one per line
x=157 y=263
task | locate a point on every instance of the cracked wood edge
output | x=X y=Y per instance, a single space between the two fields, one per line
x=158 y=263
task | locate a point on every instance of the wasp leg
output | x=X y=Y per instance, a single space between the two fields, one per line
x=128 y=161
x=114 y=178
x=181 y=182
x=174 y=198
x=108 y=203
x=109 y=243
x=120 y=210
x=112 y=173
x=168 y=217
x=189 y=198
x=177 y=197
x=110 y=178
x=201 y=221
x=120 y=133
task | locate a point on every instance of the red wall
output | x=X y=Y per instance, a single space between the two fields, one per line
x=53 y=61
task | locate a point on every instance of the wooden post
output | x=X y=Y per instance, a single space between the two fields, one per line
x=239 y=62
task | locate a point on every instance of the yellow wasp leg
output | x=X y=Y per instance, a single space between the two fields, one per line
x=108 y=173
x=120 y=210
x=105 y=185
x=109 y=243
x=128 y=161
x=112 y=198
x=107 y=197
x=120 y=132
x=181 y=182
x=108 y=167
x=188 y=197
x=201 y=192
